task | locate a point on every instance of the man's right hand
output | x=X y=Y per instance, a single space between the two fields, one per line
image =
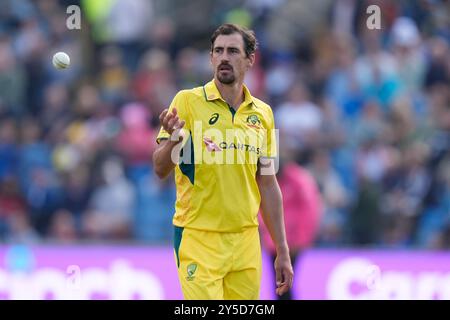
x=164 y=159
x=170 y=121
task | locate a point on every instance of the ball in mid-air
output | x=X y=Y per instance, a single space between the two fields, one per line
x=61 y=60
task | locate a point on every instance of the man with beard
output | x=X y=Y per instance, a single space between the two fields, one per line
x=216 y=239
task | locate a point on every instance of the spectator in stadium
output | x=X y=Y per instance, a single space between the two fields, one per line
x=302 y=212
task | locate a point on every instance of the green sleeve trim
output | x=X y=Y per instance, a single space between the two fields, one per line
x=188 y=169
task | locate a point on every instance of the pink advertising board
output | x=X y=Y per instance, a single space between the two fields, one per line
x=141 y=272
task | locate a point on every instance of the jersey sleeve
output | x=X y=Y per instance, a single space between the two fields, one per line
x=270 y=147
x=180 y=103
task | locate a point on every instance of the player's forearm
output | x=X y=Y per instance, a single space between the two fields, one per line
x=272 y=212
x=163 y=163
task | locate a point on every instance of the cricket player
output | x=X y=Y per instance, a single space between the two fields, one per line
x=220 y=141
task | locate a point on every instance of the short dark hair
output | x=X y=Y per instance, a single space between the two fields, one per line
x=250 y=42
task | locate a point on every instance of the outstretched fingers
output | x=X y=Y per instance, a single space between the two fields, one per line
x=170 y=120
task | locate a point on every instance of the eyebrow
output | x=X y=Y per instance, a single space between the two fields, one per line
x=230 y=47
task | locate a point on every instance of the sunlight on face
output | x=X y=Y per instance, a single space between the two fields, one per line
x=229 y=60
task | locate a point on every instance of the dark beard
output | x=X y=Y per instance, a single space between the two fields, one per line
x=228 y=79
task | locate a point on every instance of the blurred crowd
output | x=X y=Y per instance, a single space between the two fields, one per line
x=365 y=112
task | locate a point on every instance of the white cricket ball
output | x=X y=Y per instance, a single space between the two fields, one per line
x=61 y=60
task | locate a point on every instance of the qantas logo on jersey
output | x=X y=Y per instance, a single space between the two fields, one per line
x=211 y=146
x=225 y=145
x=240 y=146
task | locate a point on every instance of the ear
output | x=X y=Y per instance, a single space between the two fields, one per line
x=251 y=60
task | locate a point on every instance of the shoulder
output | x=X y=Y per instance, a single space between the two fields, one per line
x=262 y=106
x=193 y=93
x=186 y=99
x=264 y=109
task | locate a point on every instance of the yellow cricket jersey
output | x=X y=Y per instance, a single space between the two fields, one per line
x=216 y=178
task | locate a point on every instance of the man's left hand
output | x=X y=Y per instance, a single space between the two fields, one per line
x=284 y=273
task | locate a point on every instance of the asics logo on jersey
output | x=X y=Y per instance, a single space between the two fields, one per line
x=214 y=118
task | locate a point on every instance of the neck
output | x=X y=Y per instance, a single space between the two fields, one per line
x=233 y=94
